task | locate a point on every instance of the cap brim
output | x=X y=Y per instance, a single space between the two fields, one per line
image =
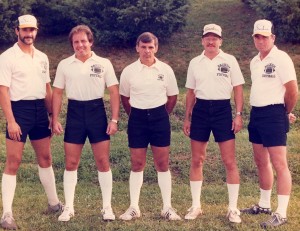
x=262 y=33
x=211 y=32
x=28 y=26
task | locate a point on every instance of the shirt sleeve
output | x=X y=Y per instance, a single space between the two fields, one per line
x=172 y=88
x=110 y=75
x=5 y=71
x=124 y=84
x=237 y=76
x=59 y=80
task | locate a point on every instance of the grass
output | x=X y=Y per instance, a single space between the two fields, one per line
x=30 y=200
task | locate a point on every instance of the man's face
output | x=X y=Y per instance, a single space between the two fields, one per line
x=264 y=43
x=26 y=35
x=81 y=45
x=147 y=52
x=211 y=43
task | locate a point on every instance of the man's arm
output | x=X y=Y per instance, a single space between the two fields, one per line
x=291 y=95
x=56 y=107
x=48 y=98
x=126 y=104
x=112 y=127
x=13 y=128
x=171 y=103
x=190 y=99
x=237 y=123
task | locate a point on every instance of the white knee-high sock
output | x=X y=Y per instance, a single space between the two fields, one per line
x=70 y=181
x=265 y=198
x=196 y=193
x=165 y=185
x=233 y=194
x=105 y=181
x=135 y=185
x=47 y=179
x=9 y=183
x=283 y=201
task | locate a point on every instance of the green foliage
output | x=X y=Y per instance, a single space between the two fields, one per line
x=10 y=11
x=56 y=17
x=119 y=22
x=285 y=15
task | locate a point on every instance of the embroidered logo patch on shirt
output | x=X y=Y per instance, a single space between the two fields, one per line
x=269 y=69
x=224 y=68
x=97 y=69
x=44 y=66
x=160 y=77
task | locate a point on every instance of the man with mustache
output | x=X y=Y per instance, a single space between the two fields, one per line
x=211 y=77
x=25 y=98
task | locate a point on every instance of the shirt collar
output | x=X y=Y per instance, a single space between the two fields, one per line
x=20 y=53
x=271 y=54
x=73 y=58
x=220 y=55
x=142 y=66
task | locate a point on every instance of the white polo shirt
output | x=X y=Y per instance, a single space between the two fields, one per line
x=85 y=80
x=269 y=76
x=148 y=87
x=25 y=76
x=214 y=79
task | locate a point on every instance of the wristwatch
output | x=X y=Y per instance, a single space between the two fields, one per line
x=115 y=121
x=239 y=113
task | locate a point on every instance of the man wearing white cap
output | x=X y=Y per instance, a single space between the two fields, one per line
x=211 y=78
x=274 y=94
x=25 y=98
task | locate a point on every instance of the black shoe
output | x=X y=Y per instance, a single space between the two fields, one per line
x=256 y=209
x=275 y=220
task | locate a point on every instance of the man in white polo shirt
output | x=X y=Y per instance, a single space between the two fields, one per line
x=85 y=76
x=148 y=89
x=211 y=77
x=273 y=96
x=25 y=97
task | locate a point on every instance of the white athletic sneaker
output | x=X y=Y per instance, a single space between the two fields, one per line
x=170 y=214
x=130 y=214
x=234 y=216
x=193 y=213
x=66 y=215
x=108 y=214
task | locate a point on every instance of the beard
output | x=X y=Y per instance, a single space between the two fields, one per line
x=26 y=41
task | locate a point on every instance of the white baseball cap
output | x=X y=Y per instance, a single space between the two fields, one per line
x=27 y=20
x=212 y=28
x=262 y=27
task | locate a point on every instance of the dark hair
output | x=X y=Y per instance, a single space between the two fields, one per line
x=81 y=28
x=147 y=37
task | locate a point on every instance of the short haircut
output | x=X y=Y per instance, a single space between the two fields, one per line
x=147 y=37
x=81 y=28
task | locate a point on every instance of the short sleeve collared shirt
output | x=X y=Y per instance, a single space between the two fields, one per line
x=24 y=75
x=85 y=80
x=269 y=76
x=148 y=87
x=214 y=79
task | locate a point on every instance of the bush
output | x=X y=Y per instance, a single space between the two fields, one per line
x=285 y=15
x=120 y=22
x=56 y=17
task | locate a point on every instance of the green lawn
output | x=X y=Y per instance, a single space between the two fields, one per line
x=236 y=21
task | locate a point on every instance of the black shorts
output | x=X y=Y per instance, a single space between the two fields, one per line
x=86 y=119
x=211 y=115
x=32 y=117
x=149 y=126
x=268 y=125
